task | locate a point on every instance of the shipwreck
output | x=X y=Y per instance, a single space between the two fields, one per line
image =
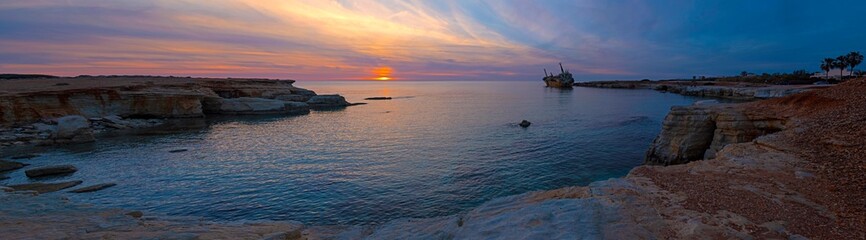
x=562 y=80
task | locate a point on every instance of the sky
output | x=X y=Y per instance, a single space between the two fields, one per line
x=425 y=40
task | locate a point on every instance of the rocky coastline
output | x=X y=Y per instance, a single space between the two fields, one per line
x=729 y=90
x=70 y=110
x=788 y=167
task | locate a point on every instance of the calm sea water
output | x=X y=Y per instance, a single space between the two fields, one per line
x=437 y=148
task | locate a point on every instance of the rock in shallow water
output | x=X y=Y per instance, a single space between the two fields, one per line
x=93 y=188
x=50 y=170
x=45 y=187
x=327 y=101
x=524 y=124
x=9 y=165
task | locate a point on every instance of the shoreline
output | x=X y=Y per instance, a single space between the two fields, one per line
x=729 y=90
x=766 y=177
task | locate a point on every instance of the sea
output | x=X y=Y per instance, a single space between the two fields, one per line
x=436 y=148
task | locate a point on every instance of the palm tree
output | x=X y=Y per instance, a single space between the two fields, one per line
x=841 y=63
x=827 y=65
x=854 y=59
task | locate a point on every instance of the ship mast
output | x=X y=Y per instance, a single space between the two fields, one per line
x=561 y=69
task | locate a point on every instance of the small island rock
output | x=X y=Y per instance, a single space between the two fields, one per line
x=524 y=123
x=327 y=101
x=378 y=98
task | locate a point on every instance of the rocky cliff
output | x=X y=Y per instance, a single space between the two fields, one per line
x=29 y=108
x=699 y=132
x=144 y=97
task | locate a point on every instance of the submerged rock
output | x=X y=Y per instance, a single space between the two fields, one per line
x=50 y=170
x=524 y=124
x=10 y=165
x=178 y=150
x=45 y=187
x=93 y=188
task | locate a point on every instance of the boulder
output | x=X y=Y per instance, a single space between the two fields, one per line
x=50 y=170
x=73 y=129
x=93 y=188
x=10 y=165
x=45 y=187
x=327 y=101
x=524 y=124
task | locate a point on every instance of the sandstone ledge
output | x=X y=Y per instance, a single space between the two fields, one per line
x=30 y=109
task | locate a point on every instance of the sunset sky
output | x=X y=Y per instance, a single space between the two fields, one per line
x=424 y=40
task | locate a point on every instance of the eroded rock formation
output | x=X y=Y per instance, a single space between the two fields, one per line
x=30 y=100
x=698 y=132
x=63 y=110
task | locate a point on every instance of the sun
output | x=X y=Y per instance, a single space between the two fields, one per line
x=382 y=73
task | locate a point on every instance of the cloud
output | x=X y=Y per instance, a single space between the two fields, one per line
x=349 y=39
